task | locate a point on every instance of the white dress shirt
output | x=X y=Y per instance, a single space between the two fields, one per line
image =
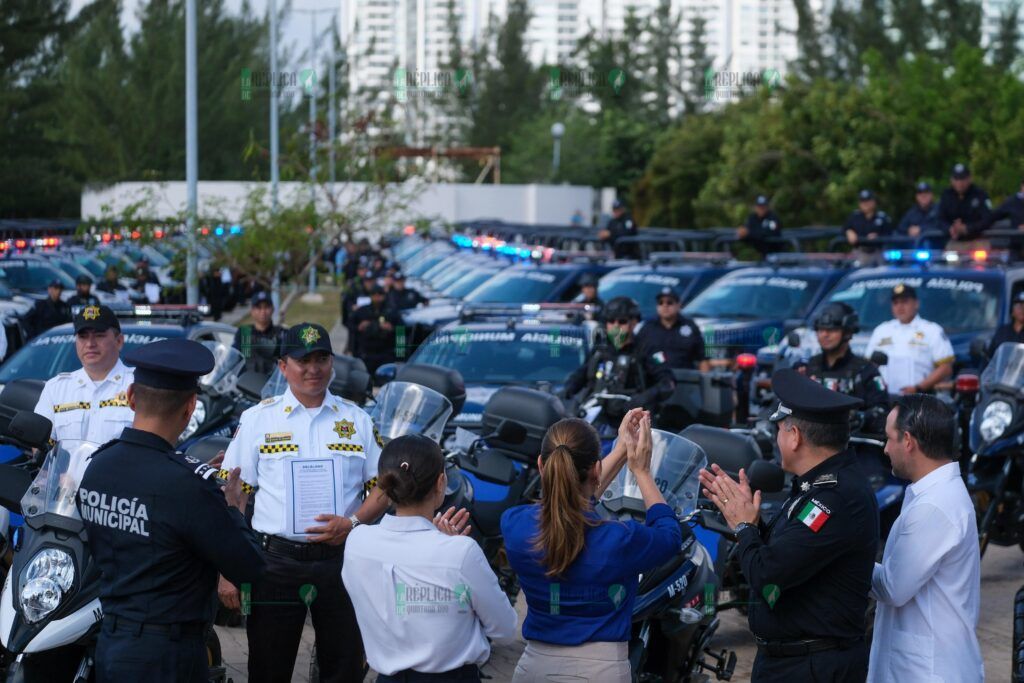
x=81 y=409
x=928 y=588
x=914 y=350
x=279 y=430
x=424 y=600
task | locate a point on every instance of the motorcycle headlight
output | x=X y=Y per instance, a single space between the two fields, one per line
x=46 y=579
x=198 y=415
x=995 y=419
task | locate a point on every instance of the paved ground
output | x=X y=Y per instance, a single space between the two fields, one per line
x=1001 y=577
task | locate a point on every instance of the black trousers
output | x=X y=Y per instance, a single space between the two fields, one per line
x=828 y=666
x=278 y=613
x=469 y=673
x=122 y=654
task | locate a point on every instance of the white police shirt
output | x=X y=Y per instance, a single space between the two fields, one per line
x=914 y=350
x=424 y=600
x=279 y=430
x=82 y=409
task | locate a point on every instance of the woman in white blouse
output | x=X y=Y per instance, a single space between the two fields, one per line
x=425 y=598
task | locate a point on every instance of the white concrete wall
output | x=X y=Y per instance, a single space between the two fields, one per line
x=552 y=204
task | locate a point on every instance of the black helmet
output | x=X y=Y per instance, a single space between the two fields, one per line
x=837 y=316
x=621 y=307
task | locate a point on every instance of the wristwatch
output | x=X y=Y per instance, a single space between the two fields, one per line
x=743 y=525
x=355 y=520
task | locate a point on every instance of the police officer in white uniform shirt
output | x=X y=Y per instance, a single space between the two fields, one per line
x=920 y=355
x=91 y=403
x=309 y=456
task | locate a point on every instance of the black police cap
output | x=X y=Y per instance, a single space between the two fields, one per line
x=667 y=292
x=83 y=280
x=56 y=283
x=588 y=280
x=923 y=187
x=805 y=399
x=902 y=291
x=960 y=171
x=865 y=195
x=99 y=318
x=305 y=338
x=261 y=297
x=174 y=364
x=1018 y=298
x=761 y=200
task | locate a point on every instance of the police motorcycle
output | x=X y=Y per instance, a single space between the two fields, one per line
x=994 y=477
x=50 y=611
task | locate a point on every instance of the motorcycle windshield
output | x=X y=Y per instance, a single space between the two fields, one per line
x=276 y=384
x=676 y=464
x=406 y=408
x=1006 y=367
x=54 y=488
x=228 y=364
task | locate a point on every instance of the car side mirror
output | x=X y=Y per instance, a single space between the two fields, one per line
x=879 y=358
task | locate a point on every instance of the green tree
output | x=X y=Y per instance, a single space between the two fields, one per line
x=1006 y=46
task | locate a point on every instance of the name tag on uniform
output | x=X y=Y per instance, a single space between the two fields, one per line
x=119 y=401
x=277 y=437
x=66 y=407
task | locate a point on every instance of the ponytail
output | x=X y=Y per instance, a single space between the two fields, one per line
x=570 y=448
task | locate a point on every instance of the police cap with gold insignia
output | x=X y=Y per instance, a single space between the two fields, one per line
x=805 y=399
x=99 y=318
x=305 y=338
x=174 y=364
x=902 y=291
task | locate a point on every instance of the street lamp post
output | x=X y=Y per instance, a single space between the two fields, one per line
x=191 y=154
x=557 y=131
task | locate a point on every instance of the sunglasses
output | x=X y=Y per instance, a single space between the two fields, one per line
x=621 y=321
x=667 y=302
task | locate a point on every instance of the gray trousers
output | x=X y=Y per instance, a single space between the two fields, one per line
x=598 y=662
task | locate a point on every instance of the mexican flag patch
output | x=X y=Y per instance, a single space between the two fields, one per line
x=813 y=516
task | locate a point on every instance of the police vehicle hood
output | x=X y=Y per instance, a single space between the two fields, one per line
x=433 y=315
x=726 y=337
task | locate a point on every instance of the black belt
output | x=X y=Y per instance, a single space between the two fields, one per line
x=300 y=551
x=800 y=648
x=174 y=631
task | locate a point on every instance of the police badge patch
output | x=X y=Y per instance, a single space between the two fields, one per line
x=310 y=336
x=91 y=312
x=344 y=429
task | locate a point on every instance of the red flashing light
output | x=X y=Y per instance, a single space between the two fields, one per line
x=409 y=230
x=136 y=234
x=118 y=237
x=746 y=361
x=20 y=244
x=967 y=384
x=3 y=246
x=159 y=234
x=205 y=231
x=979 y=255
x=106 y=237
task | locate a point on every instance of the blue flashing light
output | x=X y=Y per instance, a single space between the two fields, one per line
x=219 y=231
x=236 y=229
x=922 y=255
x=893 y=255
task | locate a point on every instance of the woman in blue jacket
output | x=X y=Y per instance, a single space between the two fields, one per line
x=579 y=574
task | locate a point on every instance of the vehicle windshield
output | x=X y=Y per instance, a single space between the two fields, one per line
x=228 y=364
x=5 y=292
x=96 y=268
x=453 y=272
x=468 y=282
x=452 y=263
x=426 y=264
x=406 y=408
x=957 y=303
x=642 y=288
x=675 y=464
x=48 y=355
x=505 y=356
x=55 y=486
x=1006 y=367
x=755 y=297
x=73 y=268
x=31 y=276
x=517 y=286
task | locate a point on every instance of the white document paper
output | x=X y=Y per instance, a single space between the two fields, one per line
x=311 y=492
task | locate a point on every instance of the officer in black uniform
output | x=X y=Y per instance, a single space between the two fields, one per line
x=620 y=366
x=923 y=216
x=839 y=369
x=111 y=284
x=964 y=208
x=762 y=223
x=1012 y=209
x=810 y=567
x=1013 y=331
x=259 y=343
x=51 y=311
x=588 y=295
x=376 y=325
x=83 y=293
x=671 y=338
x=868 y=221
x=620 y=225
x=401 y=298
x=160 y=529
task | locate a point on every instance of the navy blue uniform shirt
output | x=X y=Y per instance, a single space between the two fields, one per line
x=1006 y=333
x=1011 y=209
x=160 y=532
x=973 y=209
x=593 y=602
x=864 y=226
x=680 y=346
x=759 y=228
x=926 y=219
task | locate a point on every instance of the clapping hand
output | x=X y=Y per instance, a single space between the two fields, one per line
x=630 y=427
x=639 y=458
x=734 y=499
x=453 y=523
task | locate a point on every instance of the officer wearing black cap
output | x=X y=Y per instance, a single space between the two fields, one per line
x=259 y=343
x=1013 y=331
x=671 y=338
x=400 y=297
x=964 y=208
x=306 y=426
x=839 y=369
x=923 y=216
x=620 y=225
x=160 y=529
x=762 y=225
x=868 y=221
x=1011 y=210
x=376 y=325
x=51 y=311
x=810 y=567
x=83 y=293
x=588 y=293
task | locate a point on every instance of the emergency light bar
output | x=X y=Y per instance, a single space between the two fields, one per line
x=715 y=257
x=944 y=256
x=810 y=258
x=159 y=310
x=548 y=312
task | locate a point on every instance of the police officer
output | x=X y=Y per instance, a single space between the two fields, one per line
x=672 y=339
x=920 y=355
x=307 y=425
x=923 y=216
x=964 y=208
x=868 y=221
x=83 y=293
x=111 y=285
x=51 y=311
x=159 y=528
x=1012 y=209
x=620 y=225
x=588 y=294
x=1014 y=330
x=762 y=223
x=259 y=343
x=375 y=326
x=810 y=567
x=838 y=369
x=400 y=298
x=91 y=403
x=620 y=366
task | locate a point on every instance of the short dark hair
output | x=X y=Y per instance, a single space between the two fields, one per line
x=930 y=421
x=821 y=435
x=161 y=403
x=409 y=467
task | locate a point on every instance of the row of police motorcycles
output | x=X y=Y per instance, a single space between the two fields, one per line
x=49 y=607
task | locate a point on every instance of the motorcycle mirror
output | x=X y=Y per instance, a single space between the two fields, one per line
x=14 y=482
x=793 y=339
x=385 y=373
x=30 y=429
x=766 y=476
x=879 y=358
x=250 y=384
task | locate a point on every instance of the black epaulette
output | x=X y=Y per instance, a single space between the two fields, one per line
x=826 y=481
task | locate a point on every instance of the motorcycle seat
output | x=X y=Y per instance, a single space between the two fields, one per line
x=728 y=450
x=487 y=514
